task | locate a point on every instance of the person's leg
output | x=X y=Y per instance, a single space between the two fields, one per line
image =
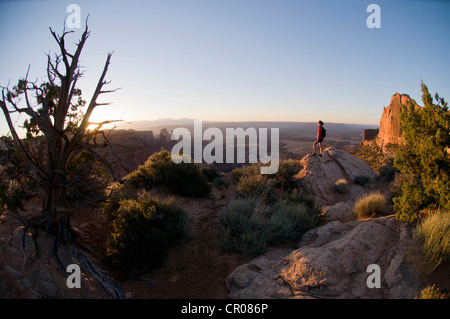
x=314 y=148
x=320 y=146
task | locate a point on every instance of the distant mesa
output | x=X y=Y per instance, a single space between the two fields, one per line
x=370 y=134
x=164 y=136
x=144 y=125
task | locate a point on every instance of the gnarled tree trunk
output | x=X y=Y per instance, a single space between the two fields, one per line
x=56 y=117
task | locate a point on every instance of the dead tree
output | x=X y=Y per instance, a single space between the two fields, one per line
x=57 y=130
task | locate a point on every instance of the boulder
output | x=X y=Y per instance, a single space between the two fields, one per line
x=319 y=174
x=331 y=261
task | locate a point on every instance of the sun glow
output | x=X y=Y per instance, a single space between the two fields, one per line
x=105 y=115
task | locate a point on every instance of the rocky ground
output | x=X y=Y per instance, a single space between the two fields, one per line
x=332 y=260
x=329 y=261
x=195 y=269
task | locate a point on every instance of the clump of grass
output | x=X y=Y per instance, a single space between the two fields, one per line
x=248 y=225
x=341 y=185
x=431 y=239
x=370 y=205
x=431 y=292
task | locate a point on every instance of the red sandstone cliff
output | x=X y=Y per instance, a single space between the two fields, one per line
x=390 y=131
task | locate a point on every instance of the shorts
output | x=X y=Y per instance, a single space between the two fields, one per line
x=320 y=140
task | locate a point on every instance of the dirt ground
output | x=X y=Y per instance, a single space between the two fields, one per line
x=194 y=269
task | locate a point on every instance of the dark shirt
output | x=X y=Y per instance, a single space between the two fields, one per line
x=319 y=133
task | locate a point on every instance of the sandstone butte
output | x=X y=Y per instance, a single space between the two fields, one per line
x=389 y=131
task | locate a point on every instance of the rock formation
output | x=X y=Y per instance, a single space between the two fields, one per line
x=319 y=174
x=331 y=260
x=370 y=134
x=130 y=148
x=389 y=131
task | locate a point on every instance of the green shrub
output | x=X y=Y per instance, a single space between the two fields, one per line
x=288 y=221
x=397 y=183
x=423 y=154
x=284 y=177
x=211 y=173
x=413 y=199
x=248 y=225
x=271 y=187
x=388 y=172
x=432 y=239
x=255 y=185
x=370 y=205
x=238 y=231
x=220 y=183
x=10 y=199
x=185 y=179
x=341 y=186
x=118 y=193
x=143 y=230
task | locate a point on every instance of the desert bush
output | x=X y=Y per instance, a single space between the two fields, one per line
x=288 y=221
x=118 y=193
x=411 y=202
x=370 y=205
x=143 y=230
x=431 y=292
x=248 y=225
x=397 y=183
x=245 y=170
x=341 y=186
x=10 y=198
x=271 y=187
x=431 y=238
x=361 y=180
x=239 y=230
x=388 y=172
x=185 y=179
x=284 y=177
x=220 y=183
x=254 y=185
x=211 y=173
x=371 y=153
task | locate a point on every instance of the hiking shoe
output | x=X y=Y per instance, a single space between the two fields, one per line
x=313 y=154
x=320 y=155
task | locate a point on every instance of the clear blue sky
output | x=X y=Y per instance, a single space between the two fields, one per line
x=240 y=60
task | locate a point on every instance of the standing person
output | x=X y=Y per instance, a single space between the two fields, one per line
x=321 y=133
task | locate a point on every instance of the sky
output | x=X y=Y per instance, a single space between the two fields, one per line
x=238 y=60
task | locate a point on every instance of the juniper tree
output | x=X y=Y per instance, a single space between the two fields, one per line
x=424 y=156
x=59 y=146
